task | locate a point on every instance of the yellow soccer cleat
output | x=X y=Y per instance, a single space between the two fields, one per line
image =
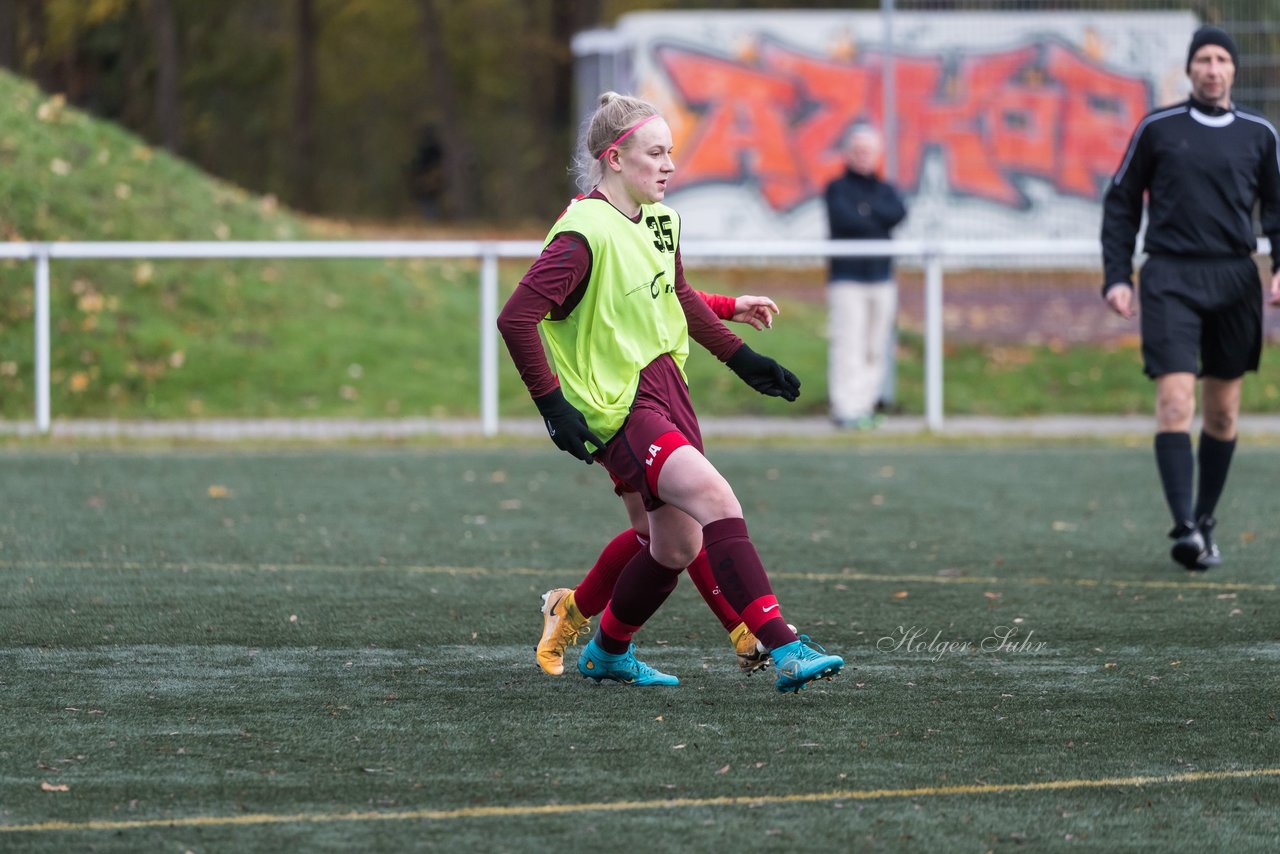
x=562 y=622
x=751 y=655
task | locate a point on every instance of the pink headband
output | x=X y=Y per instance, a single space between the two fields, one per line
x=627 y=133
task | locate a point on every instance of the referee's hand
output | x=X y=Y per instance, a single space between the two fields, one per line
x=1120 y=297
x=1275 y=289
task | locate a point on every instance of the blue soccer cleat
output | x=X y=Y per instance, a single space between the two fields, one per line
x=595 y=663
x=799 y=663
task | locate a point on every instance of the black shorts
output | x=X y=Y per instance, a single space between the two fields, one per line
x=1200 y=317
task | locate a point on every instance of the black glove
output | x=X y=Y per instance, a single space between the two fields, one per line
x=764 y=374
x=566 y=425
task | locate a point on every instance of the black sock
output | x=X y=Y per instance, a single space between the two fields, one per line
x=1215 y=462
x=1177 y=467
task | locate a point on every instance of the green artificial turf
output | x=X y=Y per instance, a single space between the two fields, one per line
x=332 y=650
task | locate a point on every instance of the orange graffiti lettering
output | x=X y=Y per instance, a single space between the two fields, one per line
x=776 y=120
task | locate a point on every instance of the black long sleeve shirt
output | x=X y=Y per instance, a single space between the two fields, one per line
x=862 y=207
x=1202 y=168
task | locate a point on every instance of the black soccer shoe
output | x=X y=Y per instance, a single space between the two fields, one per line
x=1188 y=545
x=1210 y=557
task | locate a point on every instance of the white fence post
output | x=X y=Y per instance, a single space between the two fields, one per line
x=43 y=420
x=489 y=340
x=933 y=341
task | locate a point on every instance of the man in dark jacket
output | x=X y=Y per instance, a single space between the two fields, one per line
x=1204 y=163
x=861 y=294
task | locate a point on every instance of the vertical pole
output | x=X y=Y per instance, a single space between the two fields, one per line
x=889 y=89
x=933 y=341
x=489 y=340
x=888 y=95
x=43 y=421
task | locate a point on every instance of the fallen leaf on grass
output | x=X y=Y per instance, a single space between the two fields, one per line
x=901 y=594
x=216 y=491
x=724 y=770
x=51 y=110
x=50 y=787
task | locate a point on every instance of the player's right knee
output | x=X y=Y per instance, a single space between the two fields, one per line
x=1175 y=407
x=1175 y=416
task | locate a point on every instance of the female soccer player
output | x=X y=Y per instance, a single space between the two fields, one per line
x=567 y=612
x=610 y=293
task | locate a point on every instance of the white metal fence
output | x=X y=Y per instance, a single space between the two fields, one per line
x=932 y=256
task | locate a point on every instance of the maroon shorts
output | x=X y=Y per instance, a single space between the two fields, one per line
x=662 y=407
x=620 y=487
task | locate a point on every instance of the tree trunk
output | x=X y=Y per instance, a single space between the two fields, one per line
x=9 y=35
x=568 y=19
x=35 y=44
x=303 y=162
x=460 y=201
x=168 y=109
x=563 y=120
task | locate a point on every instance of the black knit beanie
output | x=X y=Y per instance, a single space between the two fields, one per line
x=1212 y=35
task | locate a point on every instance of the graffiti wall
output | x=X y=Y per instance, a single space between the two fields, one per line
x=1009 y=124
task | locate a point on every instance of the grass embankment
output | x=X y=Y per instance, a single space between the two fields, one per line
x=174 y=339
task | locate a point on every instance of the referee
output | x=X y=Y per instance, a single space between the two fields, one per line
x=1203 y=164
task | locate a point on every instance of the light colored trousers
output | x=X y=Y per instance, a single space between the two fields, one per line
x=860 y=319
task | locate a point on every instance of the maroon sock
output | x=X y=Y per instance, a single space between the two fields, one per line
x=764 y=618
x=613 y=635
x=703 y=579
x=593 y=593
x=742 y=579
x=641 y=589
